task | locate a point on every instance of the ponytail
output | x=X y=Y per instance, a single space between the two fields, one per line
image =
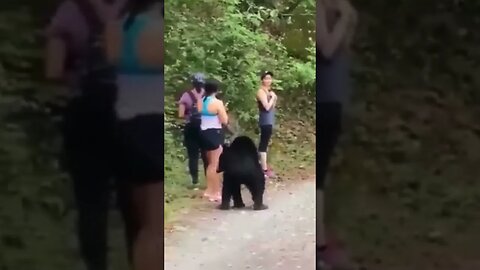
x=134 y=7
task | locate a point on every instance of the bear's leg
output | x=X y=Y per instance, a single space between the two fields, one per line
x=257 y=188
x=237 y=196
x=258 y=202
x=226 y=193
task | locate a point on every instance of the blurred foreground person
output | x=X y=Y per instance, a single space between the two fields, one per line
x=75 y=60
x=135 y=46
x=335 y=23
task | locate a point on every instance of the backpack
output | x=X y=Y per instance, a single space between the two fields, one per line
x=97 y=75
x=195 y=116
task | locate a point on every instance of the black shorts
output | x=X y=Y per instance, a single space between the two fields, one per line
x=141 y=146
x=212 y=138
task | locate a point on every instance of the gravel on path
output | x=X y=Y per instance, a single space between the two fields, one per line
x=281 y=237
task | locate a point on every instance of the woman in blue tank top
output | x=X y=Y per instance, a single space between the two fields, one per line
x=213 y=116
x=135 y=46
x=266 y=100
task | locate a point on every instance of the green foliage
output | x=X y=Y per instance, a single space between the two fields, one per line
x=228 y=47
x=232 y=42
x=33 y=196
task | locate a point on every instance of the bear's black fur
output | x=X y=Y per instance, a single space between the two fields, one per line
x=239 y=164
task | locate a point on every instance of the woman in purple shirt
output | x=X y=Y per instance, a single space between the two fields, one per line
x=88 y=135
x=187 y=110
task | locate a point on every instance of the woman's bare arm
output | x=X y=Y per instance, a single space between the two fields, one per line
x=56 y=53
x=222 y=113
x=113 y=40
x=200 y=104
x=328 y=42
x=275 y=99
x=352 y=25
x=181 y=110
x=262 y=97
x=56 y=45
x=151 y=45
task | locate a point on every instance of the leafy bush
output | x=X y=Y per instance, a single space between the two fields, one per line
x=232 y=42
x=34 y=204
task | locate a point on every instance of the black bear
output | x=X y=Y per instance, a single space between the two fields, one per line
x=239 y=164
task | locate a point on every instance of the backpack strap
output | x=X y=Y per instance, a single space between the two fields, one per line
x=192 y=96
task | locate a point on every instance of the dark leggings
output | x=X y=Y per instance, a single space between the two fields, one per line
x=265 y=135
x=193 y=144
x=90 y=152
x=329 y=123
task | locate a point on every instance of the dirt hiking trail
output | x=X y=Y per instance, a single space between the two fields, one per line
x=281 y=237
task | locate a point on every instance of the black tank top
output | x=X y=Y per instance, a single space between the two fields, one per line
x=260 y=105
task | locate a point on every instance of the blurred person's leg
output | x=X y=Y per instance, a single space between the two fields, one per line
x=148 y=248
x=320 y=231
x=125 y=205
x=329 y=122
x=91 y=197
x=91 y=174
x=142 y=168
x=320 y=228
x=328 y=131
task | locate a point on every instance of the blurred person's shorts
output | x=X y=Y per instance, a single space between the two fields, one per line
x=140 y=148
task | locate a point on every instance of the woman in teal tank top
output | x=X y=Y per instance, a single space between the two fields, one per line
x=135 y=46
x=213 y=117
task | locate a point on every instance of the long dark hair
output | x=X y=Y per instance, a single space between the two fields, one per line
x=211 y=87
x=135 y=7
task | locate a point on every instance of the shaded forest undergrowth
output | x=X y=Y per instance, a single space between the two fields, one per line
x=404 y=192
x=405 y=195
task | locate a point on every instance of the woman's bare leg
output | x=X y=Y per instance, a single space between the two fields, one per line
x=216 y=179
x=148 y=246
x=210 y=189
x=213 y=178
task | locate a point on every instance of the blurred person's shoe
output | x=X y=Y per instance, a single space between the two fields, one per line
x=333 y=257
